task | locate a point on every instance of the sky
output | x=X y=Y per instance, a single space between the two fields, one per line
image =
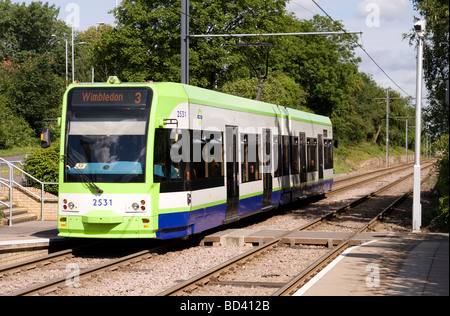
x=382 y=22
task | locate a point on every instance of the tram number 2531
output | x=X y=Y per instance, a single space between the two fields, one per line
x=181 y=114
x=102 y=202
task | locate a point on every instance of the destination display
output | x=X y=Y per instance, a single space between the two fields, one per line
x=127 y=97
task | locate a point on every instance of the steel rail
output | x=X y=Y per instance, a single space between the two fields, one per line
x=383 y=170
x=383 y=173
x=215 y=272
x=61 y=282
x=292 y=286
x=34 y=262
x=354 y=203
x=199 y=279
x=42 y=260
x=298 y=281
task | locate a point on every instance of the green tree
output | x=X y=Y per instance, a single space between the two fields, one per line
x=279 y=89
x=146 y=43
x=43 y=164
x=84 y=55
x=314 y=72
x=146 y=46
x=28 y=29
x=14 y=131
x=324 y=66
x=32 y=90
x=32 y=63
x=441 y=211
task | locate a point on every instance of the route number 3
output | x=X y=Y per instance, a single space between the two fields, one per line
x=138 y=96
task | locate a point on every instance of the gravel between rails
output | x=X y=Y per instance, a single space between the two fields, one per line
x=152 y=276
x=15 y=282
x=162 y=271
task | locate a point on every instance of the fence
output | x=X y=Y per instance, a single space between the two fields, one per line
x=14 y=185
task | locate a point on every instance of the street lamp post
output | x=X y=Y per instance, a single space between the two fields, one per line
x=73 y=53
x=420 y=28
x=73 y=58
x=185 y=41
x=67 y=58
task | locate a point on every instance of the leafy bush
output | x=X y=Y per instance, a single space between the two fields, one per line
x=14 y=131
x=43 y=164
x=441 y=211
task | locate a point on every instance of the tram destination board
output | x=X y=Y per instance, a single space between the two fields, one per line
x=93 y=96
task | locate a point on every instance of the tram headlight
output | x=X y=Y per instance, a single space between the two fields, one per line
x=69 y=206
x=138 y=207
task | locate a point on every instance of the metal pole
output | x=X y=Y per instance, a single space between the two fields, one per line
x=67 y=62
x=42 y=202
x=115 y=13
x=273 y=34
x=11 y=200
x=417 y=207
x=387 y=128
x=185 y=41
x=73 y=59
x=406 y=141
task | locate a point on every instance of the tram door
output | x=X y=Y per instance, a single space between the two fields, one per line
x=320 y=147
x=303 y=173
x=232 y=172
x=267 y=169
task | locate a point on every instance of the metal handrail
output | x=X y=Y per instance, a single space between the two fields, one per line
x=13 y=183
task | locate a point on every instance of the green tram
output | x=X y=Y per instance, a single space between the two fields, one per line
x=167 y=160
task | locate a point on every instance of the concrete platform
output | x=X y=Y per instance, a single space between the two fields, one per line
x=27 y=240
x=414 y=265
x=29 y=230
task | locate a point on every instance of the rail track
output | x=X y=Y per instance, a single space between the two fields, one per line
x=68 y=279
x=363 y=178
x=211 y=276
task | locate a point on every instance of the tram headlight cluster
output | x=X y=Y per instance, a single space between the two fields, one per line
x=68 y=206
x=139 y=206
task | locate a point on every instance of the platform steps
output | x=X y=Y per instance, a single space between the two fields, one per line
x=19 y=214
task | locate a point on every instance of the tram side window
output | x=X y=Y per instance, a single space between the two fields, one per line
x=286 y=146
x=160 y=156
x=277 y=143
x=164 y=168
x=250 y=158
x=328 y=153
x=312 y=154
x=295 y=158
x=207 y=168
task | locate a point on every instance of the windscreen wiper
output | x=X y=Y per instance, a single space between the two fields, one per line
x=83 y=176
